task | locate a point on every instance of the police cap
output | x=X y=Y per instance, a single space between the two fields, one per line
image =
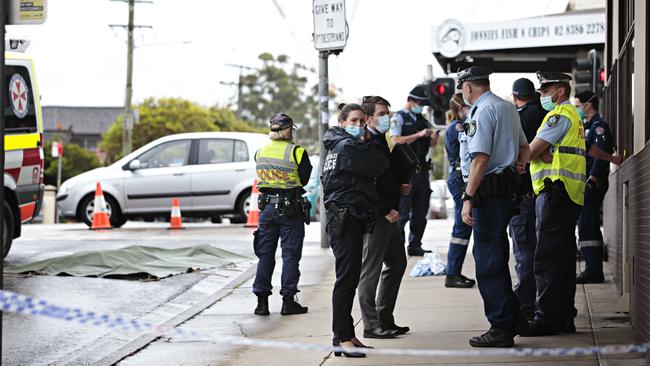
x=550 y=77
x=472 y=73
x=523 y=88
x=280 y=122
x=419 y=94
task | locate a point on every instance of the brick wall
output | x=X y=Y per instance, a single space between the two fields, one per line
x=636 y=171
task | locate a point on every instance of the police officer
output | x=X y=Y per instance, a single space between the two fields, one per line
x=461 y=232
x=559 y=184
x=590 y=238
x=496 y=145
x=351 y=202
x=283 y=168
x=385 y=245
x=410 y=127
x=522 y=226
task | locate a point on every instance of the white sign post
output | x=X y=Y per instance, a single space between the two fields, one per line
x=330 y=36
x=330 y=26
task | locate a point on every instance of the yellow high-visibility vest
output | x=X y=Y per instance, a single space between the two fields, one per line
x=569 y=164
x=277 y=165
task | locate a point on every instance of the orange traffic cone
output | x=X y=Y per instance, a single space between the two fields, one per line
x=176 y=221
x=254 y=212
x=100 y=213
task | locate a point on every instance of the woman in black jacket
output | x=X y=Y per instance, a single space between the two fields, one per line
x=351 y=201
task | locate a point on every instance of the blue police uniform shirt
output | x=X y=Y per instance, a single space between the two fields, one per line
x=465 y=160
x=494 y=129
x=555 y=128
x=452 y=145
x=396 y=129
x=597 y=133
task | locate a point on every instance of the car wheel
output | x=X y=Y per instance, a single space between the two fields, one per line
x=216 y=219
x=8 y=223
x=87 y=206
x=242 y=207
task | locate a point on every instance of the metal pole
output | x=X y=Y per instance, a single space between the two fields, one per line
x=323 y=92
x=594 y=67
x=3 y=19
x=58 y=180
x=127 y=141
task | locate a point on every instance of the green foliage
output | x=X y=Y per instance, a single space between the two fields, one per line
x=277 y=87
x=167 y=116
x=76 y=160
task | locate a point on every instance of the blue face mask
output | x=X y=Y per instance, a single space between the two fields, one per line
x=547 y=101
x=353 y=130
x=417 y=109
x=582 y=113
x=383 y=124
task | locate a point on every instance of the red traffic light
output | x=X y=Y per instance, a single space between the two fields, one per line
x=440 y=89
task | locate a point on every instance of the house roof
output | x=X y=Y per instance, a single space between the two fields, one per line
x=80 y=120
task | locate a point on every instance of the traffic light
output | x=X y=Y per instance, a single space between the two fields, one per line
x=587 y=75
x=440 y=92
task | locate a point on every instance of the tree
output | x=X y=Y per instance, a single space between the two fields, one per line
x=76 y=160
x=276 y=87
x=167 y=116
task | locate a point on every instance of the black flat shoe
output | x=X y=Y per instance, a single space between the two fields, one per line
x=400 y=330
x=381 y=332
x=493 y=338
x=459 y=281
x=590 y=277
x=567 y=327
x=540 y=328
x=348 y=354
x=262 y=306
x=417 y=252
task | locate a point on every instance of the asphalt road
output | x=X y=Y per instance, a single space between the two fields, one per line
x=41 y=341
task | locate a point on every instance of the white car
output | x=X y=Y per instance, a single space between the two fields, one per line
x=211 y=173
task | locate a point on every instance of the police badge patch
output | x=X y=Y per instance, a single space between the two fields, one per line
x=552 y=121
x=459 y=127
x=471 y=128
x=600 y=131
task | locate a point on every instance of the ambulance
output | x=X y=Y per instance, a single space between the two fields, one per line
x=23 y=175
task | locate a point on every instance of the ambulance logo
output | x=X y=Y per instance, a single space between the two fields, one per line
x=18 y=92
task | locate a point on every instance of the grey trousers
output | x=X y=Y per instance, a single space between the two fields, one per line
x=385 y=245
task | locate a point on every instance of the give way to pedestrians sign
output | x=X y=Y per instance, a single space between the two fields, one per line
x=330 y=26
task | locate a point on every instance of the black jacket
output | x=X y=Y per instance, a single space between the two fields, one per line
x=531 y=114
x=388 y=183
x=349 y=173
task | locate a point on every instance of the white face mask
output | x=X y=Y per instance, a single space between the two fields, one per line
x=383 y=123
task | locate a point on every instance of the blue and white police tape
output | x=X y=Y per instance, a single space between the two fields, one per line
x=21 y=304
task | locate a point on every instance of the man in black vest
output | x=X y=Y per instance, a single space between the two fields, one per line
x=410 y=127
x=522 y=226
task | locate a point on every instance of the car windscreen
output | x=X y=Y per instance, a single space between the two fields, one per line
x=20 y=109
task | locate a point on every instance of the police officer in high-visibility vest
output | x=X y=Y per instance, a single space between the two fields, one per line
x=283 y=168
x=496 y=144
x=557 y=171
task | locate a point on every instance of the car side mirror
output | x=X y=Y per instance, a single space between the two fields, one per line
x=134 y=164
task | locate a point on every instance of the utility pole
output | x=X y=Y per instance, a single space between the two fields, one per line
x=3 y=19
x=240 y=85
x=129 y=120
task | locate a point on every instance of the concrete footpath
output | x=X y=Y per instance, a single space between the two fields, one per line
x=439 y=318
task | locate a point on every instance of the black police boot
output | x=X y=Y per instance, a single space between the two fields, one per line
x=538 y=327
x=590 y=277
x=262 y=305
x=459 y=281
x=417 y=252
x=400 y=330
x=567 y=327
x=380 y=332
x=290 y=306
x=494 y=337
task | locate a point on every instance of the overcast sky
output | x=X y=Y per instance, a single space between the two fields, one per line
x=81 y=61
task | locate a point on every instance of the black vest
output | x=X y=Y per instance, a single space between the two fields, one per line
x=412 y=126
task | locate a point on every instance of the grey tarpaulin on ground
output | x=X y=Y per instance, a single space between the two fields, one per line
x=133 y=260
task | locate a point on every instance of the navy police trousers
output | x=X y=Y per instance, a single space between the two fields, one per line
x=461 y=232
x=491 y=254
x=291 y=231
